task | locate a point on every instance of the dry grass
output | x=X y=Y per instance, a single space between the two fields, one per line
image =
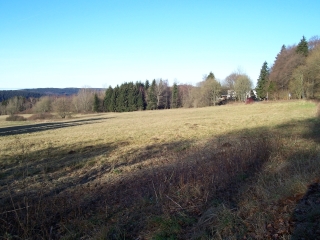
x=218 y=172
x=318 y=110
x=15 y=118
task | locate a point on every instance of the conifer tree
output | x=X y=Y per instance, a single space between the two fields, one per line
x=141 y=104
x=122 y=101
x=283 y=49
x=211 y=75
x=302 y=47
x=152 y=96
x=175 y=96
x=147 y=85
x=263 y=81
x=114 y=99
x=107 y=99
x=132 y=97
x=96 y=103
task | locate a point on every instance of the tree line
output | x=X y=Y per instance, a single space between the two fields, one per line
x=82 y=102
x=295 y=73
x=129 y=96
x=7 y=94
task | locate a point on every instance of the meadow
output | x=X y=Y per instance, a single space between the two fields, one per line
x=228 y=172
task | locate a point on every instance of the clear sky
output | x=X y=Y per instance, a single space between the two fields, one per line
x=76 y=43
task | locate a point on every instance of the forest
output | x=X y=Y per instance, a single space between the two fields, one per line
x=295 y=74
x=7 y=94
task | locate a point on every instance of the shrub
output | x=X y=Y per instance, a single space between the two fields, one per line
x=41 y=116
x=15 y=118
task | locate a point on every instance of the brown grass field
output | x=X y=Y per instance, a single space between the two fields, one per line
x=229 y=172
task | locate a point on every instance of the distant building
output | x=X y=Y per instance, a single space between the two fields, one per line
x=231 y=95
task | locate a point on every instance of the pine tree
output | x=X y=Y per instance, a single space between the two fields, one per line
x=96 y=103
x=107 y=99
x=133 y=93
x=122 y=101
x=152 y=96
x=302 y=47
x=147 y=85
x=211 y=76
x=114 y=99
x=175 y=96
x=263 y=81
x=141 y=104
x=283 y=49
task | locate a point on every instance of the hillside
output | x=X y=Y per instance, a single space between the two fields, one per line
x=7 y=94
x=38 y=92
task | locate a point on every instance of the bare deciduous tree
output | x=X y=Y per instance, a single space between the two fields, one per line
x=231 y=79
x=242 y=87
x=313 y=42
x=210 y=91
x=83 y=101
x=185 y=92
x=43 y=105
x=14 y=105
x=162 y=93
x=296 y=85
x=312 y=74
x=281 y=72
x=62 y=106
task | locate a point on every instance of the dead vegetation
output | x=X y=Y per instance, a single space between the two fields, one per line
x=15 y=118
x=241 y=184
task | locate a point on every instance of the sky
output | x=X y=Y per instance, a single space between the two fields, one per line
x=77 y=43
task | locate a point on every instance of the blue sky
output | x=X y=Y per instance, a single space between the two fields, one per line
x=100 y=43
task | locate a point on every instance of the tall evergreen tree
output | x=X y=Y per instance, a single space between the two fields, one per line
x=263 y=81
x=152 y=96
x=175 y=96
x=107 y=99
x=211 y=75
x=114 y=99
x=133 y=93
x=141 y=104
x=283 y=49
x=122 y=101
x=302 y=47
x=147 y=85
x=96 y=103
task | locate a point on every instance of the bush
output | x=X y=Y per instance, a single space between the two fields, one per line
x=41 y=116
x=15 y=118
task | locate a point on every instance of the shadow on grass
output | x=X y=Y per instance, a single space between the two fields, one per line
x=47 y=126
x=172 y=194
x=180 y=181
x=306 y=216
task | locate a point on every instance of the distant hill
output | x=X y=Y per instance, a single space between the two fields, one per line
x=54 y=91
x=6 y=94
x=39 y=92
